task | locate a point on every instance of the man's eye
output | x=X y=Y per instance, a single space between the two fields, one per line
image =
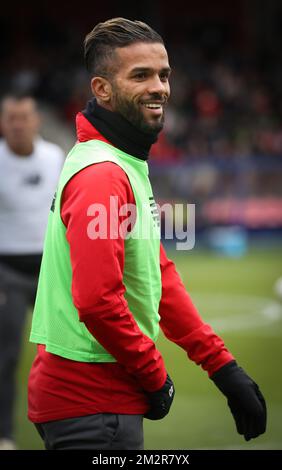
x=164 y=77
x=140 y=75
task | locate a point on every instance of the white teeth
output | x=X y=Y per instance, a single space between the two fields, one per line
x=153 y=106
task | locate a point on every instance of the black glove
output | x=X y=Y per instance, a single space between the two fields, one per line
x=161 y=400
x=244 y=399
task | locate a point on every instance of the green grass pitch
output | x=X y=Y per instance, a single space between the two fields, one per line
x=236 y=296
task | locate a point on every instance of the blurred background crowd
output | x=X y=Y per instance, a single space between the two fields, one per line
x=222 y=143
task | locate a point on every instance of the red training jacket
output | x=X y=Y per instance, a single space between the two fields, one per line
x=60 y=388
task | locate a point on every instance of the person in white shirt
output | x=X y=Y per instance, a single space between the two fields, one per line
x=29 y=172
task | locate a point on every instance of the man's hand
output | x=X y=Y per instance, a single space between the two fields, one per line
x=161 y=400
x=244 y=399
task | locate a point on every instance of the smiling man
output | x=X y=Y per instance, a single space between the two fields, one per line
x=140 y=87
x=102 y=295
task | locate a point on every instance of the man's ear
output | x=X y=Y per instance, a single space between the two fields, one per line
x=101 y=89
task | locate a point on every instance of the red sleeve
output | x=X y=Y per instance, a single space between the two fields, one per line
x=182 y=324
x=97 y=272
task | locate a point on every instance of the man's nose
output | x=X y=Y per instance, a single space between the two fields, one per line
x=156 y=85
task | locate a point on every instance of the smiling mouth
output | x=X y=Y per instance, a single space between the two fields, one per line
x=154 y=108
x=152 y=105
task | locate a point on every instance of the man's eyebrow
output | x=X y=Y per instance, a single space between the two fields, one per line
x=149 y=69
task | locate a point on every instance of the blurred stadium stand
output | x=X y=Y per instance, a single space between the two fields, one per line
x=222 y=143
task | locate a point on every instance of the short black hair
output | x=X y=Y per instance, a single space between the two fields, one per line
x=17 y=95
x=101 y=42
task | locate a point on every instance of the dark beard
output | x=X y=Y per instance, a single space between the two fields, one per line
x=132 y=114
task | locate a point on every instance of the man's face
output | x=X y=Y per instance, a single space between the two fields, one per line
x=140 y=87
x=19 y=122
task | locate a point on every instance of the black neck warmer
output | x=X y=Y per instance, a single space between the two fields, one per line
x=118 y=131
